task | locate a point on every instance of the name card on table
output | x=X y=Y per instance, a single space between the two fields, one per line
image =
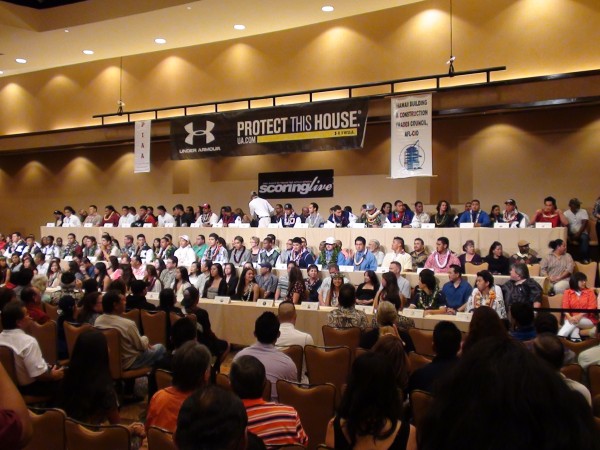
x=126 y=225
x=467 y=225
x=273 y=225
x=356 y=225
x=234 y=225
x=264 y=302
x=300 y=225
x=169 y=225
x=70 y=258
x=218 y=225
x=281 y=266
x=367 y=309
x=147 y=225
x=382 y=270
x=392 y=225
x=329 y=224
x=414 y=313
x=151 y=295
x=464 y=316
x=543 y=225
x=195 y=225
x=108 y=225
x=312 y=306
x=50 y=224
x=501 y=225
x=277 y=303
x=346 y=268
x=88 y=225
x=244 y=225
x=222 y=299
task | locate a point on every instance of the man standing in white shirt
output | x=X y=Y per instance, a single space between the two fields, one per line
x=164 y=217
x=185 y=253
x=578 y=228
x=398 y=254
x=288 y=335
x=261 y=209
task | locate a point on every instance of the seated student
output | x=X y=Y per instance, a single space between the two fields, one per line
x=391 y=347
x=521 y=319
x=213 y=418
x=66 y=313
x=484 y=323
x=136 y=351
x=457 y=290
x=385 y=322
x=498 y=264
x=494 y=387
x=137 y=298
x=579 y=296
x=370 y=412
x=446 y=344
x=274 y=423
x=278 y=365
x=32 y=299
x=550 y=349
x=428 y=295
x=34 y=376
x=469 y=255
x=486 y=293
x=346 y=315
x=191 y=370
x=521 y=288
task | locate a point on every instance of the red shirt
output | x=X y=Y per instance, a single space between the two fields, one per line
x=274 y=423
x=37 y=315
x=587 y=300
x=164 y=408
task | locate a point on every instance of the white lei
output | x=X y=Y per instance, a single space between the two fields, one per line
x=359 y=262
x=437 y=259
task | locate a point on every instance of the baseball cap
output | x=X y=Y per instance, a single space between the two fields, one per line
x=510 y=201
x=330 y=240
x=370 y=206
x=574 y=201
x=287 y=206
x=185 y=236
x=267 y=265
x=56 y=211
x=523 y=243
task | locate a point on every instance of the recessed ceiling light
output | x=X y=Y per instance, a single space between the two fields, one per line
x=1 y=72
x=327 y=8
x=66 y=31
x=88 y=52
x=21 y=60
x=239 y=27
x=160 y=41
x=189 y=7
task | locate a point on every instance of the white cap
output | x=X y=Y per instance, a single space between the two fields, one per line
x=330 y=240
x=185 y=236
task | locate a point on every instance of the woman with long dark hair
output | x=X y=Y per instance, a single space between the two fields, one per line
x=498 y=264
x=216 y=284
x=114 y=269
x=297 y=288
x=428 y=295
x=443 y=218
x=313 y=282
x=367 y=290
x=152 y=280
x=182 y=281
x=91 y=308
x=247 y=288
x=231 y=278
x=485 y=323
x=101 y=276
x=370 y=412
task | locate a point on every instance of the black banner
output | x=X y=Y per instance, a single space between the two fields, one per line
x=331 y=125
x=301 y=184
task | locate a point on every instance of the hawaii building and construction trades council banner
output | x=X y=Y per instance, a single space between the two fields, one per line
x=300 y=184
x=411 y=137
x=308 y=127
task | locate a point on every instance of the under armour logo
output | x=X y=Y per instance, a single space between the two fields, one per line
x=206 y=132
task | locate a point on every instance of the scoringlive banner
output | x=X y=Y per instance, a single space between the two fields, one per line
x=328 y=125
x=411 y=136
x=300 y=184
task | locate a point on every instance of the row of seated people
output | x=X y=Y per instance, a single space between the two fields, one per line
x=383 y=378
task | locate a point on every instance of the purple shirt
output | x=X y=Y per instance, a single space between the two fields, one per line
x=278 y=365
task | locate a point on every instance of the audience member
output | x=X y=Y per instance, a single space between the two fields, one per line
x=278 y=365
x=498 y=264
x=579 y=296
x=486 y=293
x=428 y=295
x=557 y=266
x=521 y=288
x=521 y=319
x=457 y=291
x=32 y=299
x=137 y=298
x=524 y=255
x=346 y=315
x=288 y=334
x=91 y=308
x=368 y=289
x=15 y=423
x=469 y=255
x=485 y=323
x=441 y=260
x=390 y=346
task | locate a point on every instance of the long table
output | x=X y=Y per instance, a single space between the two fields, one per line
x=483 y=237
x=235 y=321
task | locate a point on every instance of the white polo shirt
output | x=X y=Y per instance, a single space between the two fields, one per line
x=29 y=362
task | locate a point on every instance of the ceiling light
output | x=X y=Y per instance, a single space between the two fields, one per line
x=327 y=8
x=88 y=52
x=239 y=27
x=1 y=72
x=160 y=41
x=21 y=60
x=189 y=7
x=66 y=31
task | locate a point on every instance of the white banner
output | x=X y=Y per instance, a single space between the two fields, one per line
x=142 y=146
x=411 y=136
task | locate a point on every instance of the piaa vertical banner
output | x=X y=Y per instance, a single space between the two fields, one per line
x=411 y=136
x=142 y=146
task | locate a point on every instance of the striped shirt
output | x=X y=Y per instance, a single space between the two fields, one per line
x=274 y=423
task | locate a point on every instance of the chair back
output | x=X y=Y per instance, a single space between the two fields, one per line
x=578 y=347
x=534 y=270
x=7 y=359
x=555 y=301
x=174 y=317
x=155 y=326
x=572 y=372
x=315 y=405
x=423 y=341
x=420 y=402
x=164 y=378
x=328 y=365
x=113 y=437
x=72 y=332
x=134 y=315
x=472 y=269
x=223 y=380
x=113 y=340
x=594 y=379
x=296 y=353
x=51 y=311
x=47 y=339
x=48 y=430
x=589 y=270
x=336 y=337
x=417 y=361
x=159 y=439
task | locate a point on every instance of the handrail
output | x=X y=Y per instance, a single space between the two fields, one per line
x=350 y=88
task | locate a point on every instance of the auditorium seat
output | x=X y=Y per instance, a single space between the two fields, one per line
x=72 y=332
x=163 y=378
x=423 y=341
x=134 y=315
x=48 y=429
x=589 y=270
x=7 y=359
x=159 y=439
x=420 y=402
x=80 y=437
x=47 y=339
x=472 y=269
x=594 y=379
x=113 y=338
x=155 y=326
x=51 y=311
x=315 y=405
x=417 y=361
x=335 y=337
x=572 y=372
x=328 y=365
x=534 y=270
x=296 y=353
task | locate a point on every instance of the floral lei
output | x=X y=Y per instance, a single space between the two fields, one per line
x=334 y=257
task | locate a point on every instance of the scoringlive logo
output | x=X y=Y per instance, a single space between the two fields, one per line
x=304 y=187
x=206 y=132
